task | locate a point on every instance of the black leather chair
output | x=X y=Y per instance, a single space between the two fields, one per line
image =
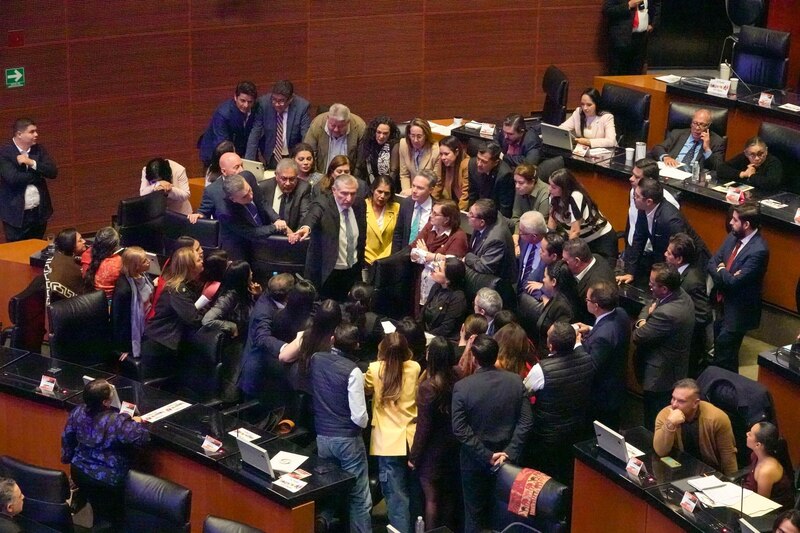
x=393 y=279
x=555 y=87
x=205 y=231
x=761 y=57
x=199 y=369
x=26 y=311
x=548 y=166
x=80 y=330
x=215 y=524
x=277 y=255
x=631 y=110
x=155 y=504
x=680 y=116
x=140 y=221
x=46 y=493
x=552 y=505
x=784 y=143
x=475 y=281
x=741 y=13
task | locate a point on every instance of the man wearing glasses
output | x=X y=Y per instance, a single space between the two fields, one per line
x=286 y=197
x=281 y=121
x=698 y=143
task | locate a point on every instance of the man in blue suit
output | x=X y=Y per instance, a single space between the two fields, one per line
x=232 y=121
x=280 y=111
x=738 y=270
x=607 y=343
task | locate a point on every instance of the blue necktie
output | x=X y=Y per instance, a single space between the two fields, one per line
x=253 y=213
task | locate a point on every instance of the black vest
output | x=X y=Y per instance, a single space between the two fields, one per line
x=330 y=373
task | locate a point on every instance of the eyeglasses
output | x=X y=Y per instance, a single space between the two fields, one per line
x=754 y=155
x=701 y=125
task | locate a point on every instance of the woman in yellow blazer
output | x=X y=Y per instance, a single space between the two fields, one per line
x=417 y=151
x=382 y=213
x=392 y=380
x=453 y=172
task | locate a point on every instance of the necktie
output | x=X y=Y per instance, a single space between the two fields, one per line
x=278 y=150
x=689 y=157
x=253 y=213
x=415 y=224
x=636 y=17
x=282 y=208
x=417 y=157
x=351 y=239
x=729 y=262
x=528 y=265
x=476 y=241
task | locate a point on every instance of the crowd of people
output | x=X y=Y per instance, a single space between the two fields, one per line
x=496 y=380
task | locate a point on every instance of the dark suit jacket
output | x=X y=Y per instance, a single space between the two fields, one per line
x=323 y=250
x=9 y=525
x=531 y=144
x=675 y=140
x=497 y=185
x=607 y=344
x=742 y=292
x=491 y=413
x=444 y=312
x=262 y=136
x=296 y=206
x=693 y=281
x=619 y=20
x=667 y=221
x=261 y=348
x=536 y=274
x=495 y=253
x=663 y=342
x=402 y=229
x=15 y=178
x=601 y=271
x=768 y=176
x=227 y=124
x=558 y=308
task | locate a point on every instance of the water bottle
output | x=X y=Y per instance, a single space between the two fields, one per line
x=419 y=527
x=695 y=171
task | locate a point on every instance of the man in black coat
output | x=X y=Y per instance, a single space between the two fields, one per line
x=25 y=204
x=517 y=142
x=491 y=177
x=286 y=197
x=491 y=248
x=334 y=260
x=588 y=269
x=698 y=143
x=630 y=23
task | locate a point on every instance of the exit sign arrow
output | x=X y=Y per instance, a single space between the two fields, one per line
x=15 y=77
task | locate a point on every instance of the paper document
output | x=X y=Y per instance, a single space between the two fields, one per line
x=596 y=152
x=388 y=327
x=669 y=78
x=773 y=204
x=289 y=483
x=287 y=462
x=790 y=107
x=706 y=482
x=730 y=495
x=675 y=173
x=439 y=129
x=164 y=412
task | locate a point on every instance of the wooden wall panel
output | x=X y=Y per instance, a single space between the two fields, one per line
x=99 y=18
x=62 y=193
x=45 y=74
x=403 y=90
x=223 y=15
x=42 y=20
x=577 y=42
x=483 y=7
x=325 y=9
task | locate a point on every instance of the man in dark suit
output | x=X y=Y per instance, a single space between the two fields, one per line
x=643 y=168
x=232 y=121
x=415 y=210
x=738 y=270
x=280 y=111
x=681 y=253
x=492 y=419
x=607 y=343
x=630 y=23
x=663 y=336
x=588 y=269
x=698 y=143
x=518 y=144
x=491 y=177
x=532 y=229
x=25 y=203
x=11 y=503
x=286 y=197
x=491 y=245
x=335 y=256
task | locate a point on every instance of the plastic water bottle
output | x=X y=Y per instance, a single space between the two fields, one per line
x=695 y=171
x=419 y=527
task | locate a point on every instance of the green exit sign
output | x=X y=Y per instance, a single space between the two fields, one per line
x=15 y=77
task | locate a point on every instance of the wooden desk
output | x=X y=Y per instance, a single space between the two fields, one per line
x=15 y=271
x=784 y=386
x=196 y=187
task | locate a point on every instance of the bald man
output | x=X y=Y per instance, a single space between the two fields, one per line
x=697 y=143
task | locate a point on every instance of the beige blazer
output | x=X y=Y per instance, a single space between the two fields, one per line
x=429 y=160
x=444 y=189
x=393 y=425
x=379 y=241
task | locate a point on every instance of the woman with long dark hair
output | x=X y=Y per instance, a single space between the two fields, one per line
x=62 y=275
x=382 y=211
x=169 y=178
x=768 y=475
x=515 y=350
x=315 y=338
x=230 y=309
x=592 y=126
x=102 y=263
x=572 y=210
x=213 y=172
x=357 y=310
x=453 y=172
x=434 y=454
x=378 y=152
x=446 y=306
x=392 y=380
x=560 y=299
x=303 y=155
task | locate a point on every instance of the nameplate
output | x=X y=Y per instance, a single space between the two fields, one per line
x=734 y=195
x=243 y=434
x=211 y=444
x=487 y=130
x=580 y=150
x=634 y=466
x=167 y=410
x=48 y=383
x=719 y=87
x=689 y=501
x=765 y=100
x=127 y=408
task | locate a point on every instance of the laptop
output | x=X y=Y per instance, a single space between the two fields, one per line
x=155 y=266
x=255 y=456
x=256 y=167
x=557 y=137
x=614 y=443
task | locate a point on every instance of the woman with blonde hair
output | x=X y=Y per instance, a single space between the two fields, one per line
x=392 y=380
x=135 y=264
x=417 y=151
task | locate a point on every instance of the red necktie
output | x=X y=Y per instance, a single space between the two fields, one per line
x=735 y=251
x=636 y=17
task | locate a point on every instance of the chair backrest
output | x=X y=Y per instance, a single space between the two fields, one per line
x=548 y=166
x=784 y=143
x=205 y=231
x=140 y=221
x=215 y=524
x=393 y=278
x=121 y=315
x=680 y=116
x=26 y=311
x=555 y=86
x=80 y=329
x=277 y=255
x=46 y=493
x=475 y=281
x=155 y=504
x=199 y=368
x=761 y=57
x=631 y=110
x=552 y=504
x=744 y=12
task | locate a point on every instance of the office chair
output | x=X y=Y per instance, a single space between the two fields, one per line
x=761 y=57
x=80 y=330
x=555 y=86
x=215 y=524
x=741 y=13
x=176 y=225
x=548 y=166
x=552 y=505
x=631 y=110
x=155 y=504
x=680 y=116
x=46 y=493
x=784 y=143
x=393 y=279
x=276 y=255
x=26 y=311
x=140 y=221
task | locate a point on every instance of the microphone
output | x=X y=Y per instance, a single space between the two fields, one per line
x=739 y=78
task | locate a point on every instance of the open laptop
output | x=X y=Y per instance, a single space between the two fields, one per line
x=614 y=443
x=256 y=167
x=255 y=456
x=557 y=137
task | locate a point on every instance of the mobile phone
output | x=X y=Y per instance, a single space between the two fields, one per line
x=670 y=462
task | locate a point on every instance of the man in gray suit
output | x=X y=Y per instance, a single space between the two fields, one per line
x=698 y=143
x=286 y=198
x=663 y=337
x=491 y=245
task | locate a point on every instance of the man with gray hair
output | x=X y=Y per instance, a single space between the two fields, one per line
x=532 y=228
x=337 y=226
x=11 y=501
x=488 y=303
x=415 y=210
x=286 y=198
x=335 y=132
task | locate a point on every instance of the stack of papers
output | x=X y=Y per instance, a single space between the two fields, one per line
x=670 y=78
x=675 y=173
x=716 y=493
x=438 y=129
